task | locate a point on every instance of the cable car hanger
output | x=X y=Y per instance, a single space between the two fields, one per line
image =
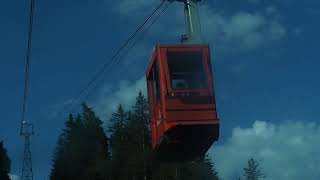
x=192 y=22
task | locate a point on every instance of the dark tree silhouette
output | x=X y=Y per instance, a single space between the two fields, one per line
x=81 y=149
x=196 y=170
x=119 y=143
x=139 y=140
x=252 y=171
x=5 y=163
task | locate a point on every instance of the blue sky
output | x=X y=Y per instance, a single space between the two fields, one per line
x=265 y=56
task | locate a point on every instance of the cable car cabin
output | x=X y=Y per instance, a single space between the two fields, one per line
x=183 y=115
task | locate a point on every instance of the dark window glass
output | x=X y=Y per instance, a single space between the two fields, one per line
x=186 y=70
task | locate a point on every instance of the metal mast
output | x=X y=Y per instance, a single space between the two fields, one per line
x=192 y=22
x=26 y=128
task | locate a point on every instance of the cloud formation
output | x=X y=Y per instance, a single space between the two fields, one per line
x=288 y=150
x=242 y=30
x=236 y=31
x=123 y=93
x=14 y=177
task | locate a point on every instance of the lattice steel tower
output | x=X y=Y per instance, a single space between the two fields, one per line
x=27 y=133
x=26 y=128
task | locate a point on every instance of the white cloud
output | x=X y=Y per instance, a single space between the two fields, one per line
x=123 y=93
x=242 y=30
x=237 y=31
x=289 y=150
x=14 y=177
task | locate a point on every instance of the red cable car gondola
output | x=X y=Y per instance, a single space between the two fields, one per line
x=183 y=116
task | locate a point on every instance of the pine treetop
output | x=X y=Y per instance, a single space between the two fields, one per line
x=5 y=161
x=252 y=171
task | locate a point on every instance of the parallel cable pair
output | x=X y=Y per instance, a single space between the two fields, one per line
x=115 y=59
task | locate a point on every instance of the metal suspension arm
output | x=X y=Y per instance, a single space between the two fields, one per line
x=192 y=22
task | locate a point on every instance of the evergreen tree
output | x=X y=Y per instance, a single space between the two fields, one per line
x=5 y=163
x=83 y=153
x=142 y=117
x=252 y=171
x=133 y=147
x=139 y=140
x=94 y=143
x=81 y=149
x=206 y=169
x=130 y=142
x=60 y=157
x=194 y=170
x=119 y=143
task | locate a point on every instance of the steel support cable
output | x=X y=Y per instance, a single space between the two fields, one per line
x=27 y=65
x=147 y=29
x=109 y=63
x=135 y=42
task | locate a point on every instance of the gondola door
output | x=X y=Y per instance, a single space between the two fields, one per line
x=155 y=96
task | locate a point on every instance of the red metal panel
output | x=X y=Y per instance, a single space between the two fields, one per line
x=166 y=70
x=153 y=56
x=162 y=78
x=171 y=124
x=192 y=104
x=191 y=115
x=181 y=46
x=207 y=64
x=151 y=100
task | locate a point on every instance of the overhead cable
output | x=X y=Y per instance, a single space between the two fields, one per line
x=140 y=37
x=113 y=59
